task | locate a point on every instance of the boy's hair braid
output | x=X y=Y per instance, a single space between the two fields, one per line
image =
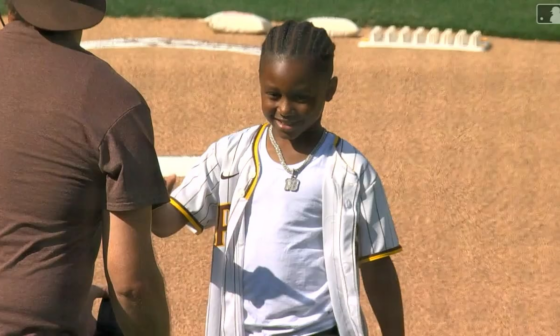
x=300 y=39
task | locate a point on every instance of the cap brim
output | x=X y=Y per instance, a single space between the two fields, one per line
x=61 y=15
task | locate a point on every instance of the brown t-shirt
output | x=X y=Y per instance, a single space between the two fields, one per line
x=75 y=139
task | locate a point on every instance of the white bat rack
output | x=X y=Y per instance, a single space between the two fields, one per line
x=433 y=39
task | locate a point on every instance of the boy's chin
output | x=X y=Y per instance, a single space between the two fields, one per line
x=286 y=133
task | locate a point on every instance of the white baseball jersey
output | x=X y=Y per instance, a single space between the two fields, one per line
x=357 y=225
x=285 y=287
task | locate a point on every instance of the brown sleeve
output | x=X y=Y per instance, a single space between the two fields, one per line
x=128 y=159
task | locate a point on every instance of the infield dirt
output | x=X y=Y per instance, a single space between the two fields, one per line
x=467 y=146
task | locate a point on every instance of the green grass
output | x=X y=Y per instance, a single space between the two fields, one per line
x=506 y=18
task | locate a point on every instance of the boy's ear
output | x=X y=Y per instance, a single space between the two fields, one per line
x=333 y=84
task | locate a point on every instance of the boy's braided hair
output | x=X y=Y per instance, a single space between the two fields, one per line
x=301 y=39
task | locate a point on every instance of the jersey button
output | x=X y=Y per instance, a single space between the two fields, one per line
x=348 y=204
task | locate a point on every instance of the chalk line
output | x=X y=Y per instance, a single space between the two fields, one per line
x=164 y=42
x=178 y=165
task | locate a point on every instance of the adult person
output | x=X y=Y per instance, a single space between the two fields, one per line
x=76 y=150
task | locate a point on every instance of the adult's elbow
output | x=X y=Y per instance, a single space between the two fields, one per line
x=131 y=291
x=134 y=282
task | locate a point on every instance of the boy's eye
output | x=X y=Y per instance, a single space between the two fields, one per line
x=273 y=95
x=301 y=99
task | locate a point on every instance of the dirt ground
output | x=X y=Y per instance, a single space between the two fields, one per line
x=467 y=145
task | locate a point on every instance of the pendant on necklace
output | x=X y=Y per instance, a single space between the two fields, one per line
x=292 y=184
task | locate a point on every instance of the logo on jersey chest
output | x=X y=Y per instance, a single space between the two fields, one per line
x=227 y=177
x=221 y=227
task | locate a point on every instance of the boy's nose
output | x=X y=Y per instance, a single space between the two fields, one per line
x=284 y=106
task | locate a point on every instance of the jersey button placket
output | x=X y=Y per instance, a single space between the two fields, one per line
x=241 y=193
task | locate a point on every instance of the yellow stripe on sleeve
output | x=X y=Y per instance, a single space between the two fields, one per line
x=190 y=218
x=381 y=255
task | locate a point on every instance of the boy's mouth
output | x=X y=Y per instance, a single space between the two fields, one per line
x=285 y=124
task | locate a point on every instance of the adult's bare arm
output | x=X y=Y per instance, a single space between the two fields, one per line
x=136 y=286
x=382 y=287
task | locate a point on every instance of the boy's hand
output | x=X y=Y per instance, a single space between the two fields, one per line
x=170 y=182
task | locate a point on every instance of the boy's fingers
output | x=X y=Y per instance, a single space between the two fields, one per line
x=170 y=181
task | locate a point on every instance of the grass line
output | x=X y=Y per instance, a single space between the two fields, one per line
x=504 y=18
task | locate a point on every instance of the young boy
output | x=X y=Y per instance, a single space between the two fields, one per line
x=296 y=210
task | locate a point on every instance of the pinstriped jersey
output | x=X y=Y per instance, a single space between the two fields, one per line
x=357 y=224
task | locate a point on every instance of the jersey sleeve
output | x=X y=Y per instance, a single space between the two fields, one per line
x=377 y=237
x=197 y=197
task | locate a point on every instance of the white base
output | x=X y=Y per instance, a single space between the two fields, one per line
x=178 y=165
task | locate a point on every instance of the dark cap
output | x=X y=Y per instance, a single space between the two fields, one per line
x=61 y=15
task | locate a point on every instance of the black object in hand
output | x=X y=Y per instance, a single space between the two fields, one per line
x=106 y=321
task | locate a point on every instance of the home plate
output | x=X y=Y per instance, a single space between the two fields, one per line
x=178 y=165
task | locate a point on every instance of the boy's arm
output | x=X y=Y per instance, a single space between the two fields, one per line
x=167 y=221
x=383 y=290
x=194 y=203
x=377 y=241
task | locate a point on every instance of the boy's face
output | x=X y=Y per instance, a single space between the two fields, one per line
x=293 y=95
